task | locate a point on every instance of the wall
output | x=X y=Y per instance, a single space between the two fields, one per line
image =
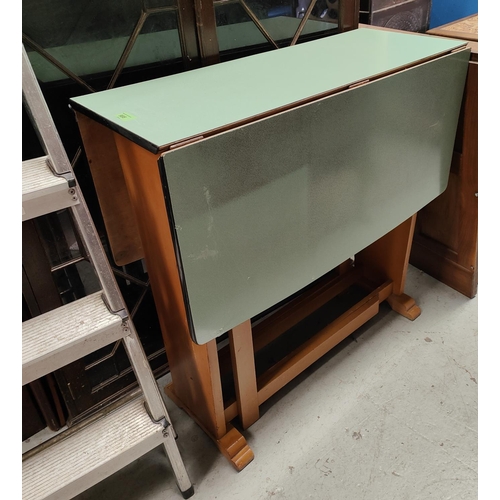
x=446 y=11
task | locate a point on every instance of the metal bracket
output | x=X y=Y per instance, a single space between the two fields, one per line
x=162 y=421
x=122 y=312
x=358 y=84
x=70 y=178
x=179 y=144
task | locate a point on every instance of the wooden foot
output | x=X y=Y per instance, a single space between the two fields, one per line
x=232 y=444
x=235 y=448
x=404 y=305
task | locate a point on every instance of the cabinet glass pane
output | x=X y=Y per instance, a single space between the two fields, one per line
x=88 y=38
x=257 y=24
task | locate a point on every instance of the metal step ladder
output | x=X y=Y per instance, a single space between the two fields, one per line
x=95 y=451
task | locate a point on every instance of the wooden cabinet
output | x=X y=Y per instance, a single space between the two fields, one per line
x=445 y=244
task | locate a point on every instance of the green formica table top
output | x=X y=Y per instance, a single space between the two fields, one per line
x=161 y=112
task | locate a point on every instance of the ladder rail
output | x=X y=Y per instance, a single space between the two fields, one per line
x=97 y=256
x=37 y=109
x=144 y=375
x=135 y=351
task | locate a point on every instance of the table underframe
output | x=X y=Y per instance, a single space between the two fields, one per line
x=197 y=370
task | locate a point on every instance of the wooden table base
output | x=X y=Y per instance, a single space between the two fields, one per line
x=237 y=358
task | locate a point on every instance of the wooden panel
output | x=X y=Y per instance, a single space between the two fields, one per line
x=465 y=29
x=207 y=32
x=107 y=174
x=445 y=207
x=348 y=14
x=467 y=252
x=32 y=421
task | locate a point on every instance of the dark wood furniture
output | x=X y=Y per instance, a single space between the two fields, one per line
x=445 y=244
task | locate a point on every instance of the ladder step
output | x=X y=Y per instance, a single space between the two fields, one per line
x=76 y=463
x=68 y=333
x=43 y=192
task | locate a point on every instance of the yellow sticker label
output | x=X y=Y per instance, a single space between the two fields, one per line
x=125 y=116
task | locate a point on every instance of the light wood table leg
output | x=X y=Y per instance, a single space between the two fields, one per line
x=107 y=175
x=245 y=381
x=388 y=258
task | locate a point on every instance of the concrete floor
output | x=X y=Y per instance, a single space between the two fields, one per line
x=390 y=413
